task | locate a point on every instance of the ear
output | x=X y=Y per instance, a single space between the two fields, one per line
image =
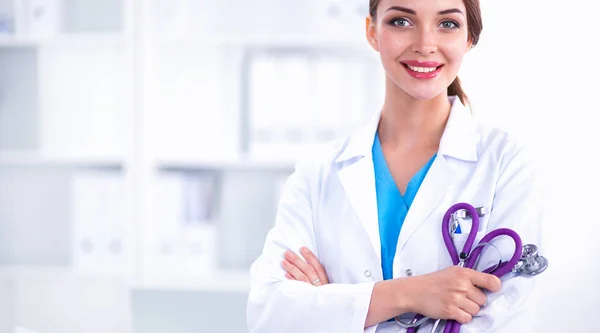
x=371 y=32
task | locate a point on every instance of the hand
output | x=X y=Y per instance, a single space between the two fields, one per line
x=306 y=270
x=453 y=293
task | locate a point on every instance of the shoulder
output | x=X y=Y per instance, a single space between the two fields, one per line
x=322 y=156
x=502 y=147
x=313 y=167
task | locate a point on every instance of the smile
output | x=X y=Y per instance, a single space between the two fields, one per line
x=419 y=70
x=422 y=69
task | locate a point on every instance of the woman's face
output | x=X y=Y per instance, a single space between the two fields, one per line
x=421 y=43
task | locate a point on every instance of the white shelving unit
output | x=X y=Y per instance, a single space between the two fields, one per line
x=264 y=41
x=66 y=114
x=233 y=164
x=82 y=39
x=144 y=143
x=26 y=159
x=199 y=109
x=220 y=281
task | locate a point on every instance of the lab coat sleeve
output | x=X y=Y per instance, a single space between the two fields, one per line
x=276 y=304
x=517 y=205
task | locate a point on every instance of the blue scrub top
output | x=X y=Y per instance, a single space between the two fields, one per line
x=392 y=206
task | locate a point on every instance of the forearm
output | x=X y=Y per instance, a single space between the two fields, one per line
x=389 y=299
x=276 y=304
x=292 y=306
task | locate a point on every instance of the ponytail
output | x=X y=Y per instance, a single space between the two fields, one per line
x=455 y=89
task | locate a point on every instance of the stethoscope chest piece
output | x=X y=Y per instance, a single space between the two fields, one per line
x=531 y=263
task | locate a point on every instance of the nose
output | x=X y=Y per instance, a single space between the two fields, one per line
x=425 y=42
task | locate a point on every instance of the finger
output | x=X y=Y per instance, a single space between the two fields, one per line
x=289 y=276
x=312 y=260
x=487 y=281
x=477 y=296
x=286 y=267
x=294 y=271
x=461 y=316
x=470 y=307
x=303 y=266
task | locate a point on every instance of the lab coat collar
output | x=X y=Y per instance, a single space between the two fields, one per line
x=459 y=139
x=357 y=174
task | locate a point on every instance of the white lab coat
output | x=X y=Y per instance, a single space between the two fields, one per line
x=329 y=205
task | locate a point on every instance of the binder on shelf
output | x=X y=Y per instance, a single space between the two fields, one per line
x=99 y=237
x=294 y=80
x=200 y=223
x=301 y=99
x=330 y=95
x=355 y=104
x=193 y=117
x=38 y=18
x=79 y=117
x=341 y=20
x=184 y=233
x=264 y=101
x=7 y=18
x=280 y=106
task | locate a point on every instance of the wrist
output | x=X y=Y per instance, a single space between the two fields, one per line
x=404 y=291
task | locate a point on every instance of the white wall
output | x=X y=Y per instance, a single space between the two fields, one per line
x=535 y=74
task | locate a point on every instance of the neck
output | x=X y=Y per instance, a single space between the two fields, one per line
x=407 y=123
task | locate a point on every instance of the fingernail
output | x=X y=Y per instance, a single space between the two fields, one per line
x=304 y=250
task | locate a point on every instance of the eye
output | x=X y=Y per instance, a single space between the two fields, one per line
x=400 y=22
x=449 y=25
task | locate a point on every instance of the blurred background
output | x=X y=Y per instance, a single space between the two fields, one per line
x=144 y=145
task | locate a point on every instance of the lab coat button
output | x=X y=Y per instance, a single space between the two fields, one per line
x=409 y=272
x=368 y=273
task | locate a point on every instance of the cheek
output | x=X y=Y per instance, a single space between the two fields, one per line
x=454 y=50
x=391 y=46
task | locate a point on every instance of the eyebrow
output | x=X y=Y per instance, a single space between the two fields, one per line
x=449 y=11
x=412 y=12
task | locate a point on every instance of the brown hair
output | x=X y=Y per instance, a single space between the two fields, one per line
x=474 y=26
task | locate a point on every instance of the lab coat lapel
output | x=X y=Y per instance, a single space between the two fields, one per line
x=358 y=181
x=433 y=189
x=357 y=176
x=459 y=142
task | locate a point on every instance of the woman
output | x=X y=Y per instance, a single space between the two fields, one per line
x=368 y=208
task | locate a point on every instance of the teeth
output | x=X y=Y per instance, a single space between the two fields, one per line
x=422 y=69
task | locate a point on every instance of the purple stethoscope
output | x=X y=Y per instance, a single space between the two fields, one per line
x=525 y=261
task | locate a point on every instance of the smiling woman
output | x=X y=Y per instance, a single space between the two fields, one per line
x=367 y=209
x=460 y=28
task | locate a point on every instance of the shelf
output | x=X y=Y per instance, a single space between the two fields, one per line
x=48 y=273
x=298 y=41
x=24 y=159
x=233 y=164
x=75 y=39
x=222 y=281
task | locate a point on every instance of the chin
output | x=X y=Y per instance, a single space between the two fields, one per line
x=420 y=90
x=424 y=94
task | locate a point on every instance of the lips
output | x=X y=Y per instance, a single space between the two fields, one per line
x=422 y=69
x=415 y=63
